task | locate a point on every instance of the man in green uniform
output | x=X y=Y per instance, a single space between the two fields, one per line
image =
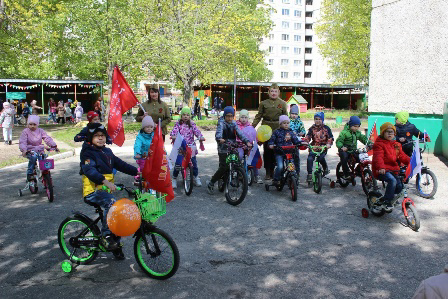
x=270 y=111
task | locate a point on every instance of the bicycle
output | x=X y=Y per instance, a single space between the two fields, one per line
x=375 y=205
x=318 y=174
x=42 y=173
x=249 y=169
x=235 y=177
x=361 y=169
x=79 y=237
x=289 y=175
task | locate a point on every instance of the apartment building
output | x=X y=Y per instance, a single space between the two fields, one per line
x=293 y=55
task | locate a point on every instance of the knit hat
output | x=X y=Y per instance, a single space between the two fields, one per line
x=93 y=128
x=185 y=110
x=321 y=115
x=283 y=118
x=402 y=116
x=244 y=112
x=229 y=109
x=294 y=109
x=78 y=104
x=385 y=127
x=354 y=121
x=91 y=115
x=33 y=119
x=147 y=121
x=6 y=105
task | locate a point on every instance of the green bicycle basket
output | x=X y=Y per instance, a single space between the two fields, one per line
x=232 y=158
x=151 y=207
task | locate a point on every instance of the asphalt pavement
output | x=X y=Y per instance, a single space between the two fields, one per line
x=267 y=247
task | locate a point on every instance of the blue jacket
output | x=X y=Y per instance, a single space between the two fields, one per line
x=279 y=137
x=297 y=126
x=82 y=136
x=99 y=162
x=228 y=131
x=407 y=131
x=142 y=143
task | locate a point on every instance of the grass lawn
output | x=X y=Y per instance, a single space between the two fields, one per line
x=17 y=160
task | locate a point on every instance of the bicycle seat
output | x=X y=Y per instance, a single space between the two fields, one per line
x=96 y=206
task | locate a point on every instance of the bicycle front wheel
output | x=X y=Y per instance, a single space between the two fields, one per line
x=413 y=219
x=48 y=183
x=292 y=183
x=188 y=180
x=160 y=259
x=317 y=183
x=426 y=183
x=236 y=186
x=368 y=181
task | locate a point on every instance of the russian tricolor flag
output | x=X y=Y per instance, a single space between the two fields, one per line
x=415 y=165
x=254 y=158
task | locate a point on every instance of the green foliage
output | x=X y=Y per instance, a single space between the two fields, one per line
x=344 y=30
x=345 y=114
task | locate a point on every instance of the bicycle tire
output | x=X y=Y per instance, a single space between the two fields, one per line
x=422 y=180
x=317 y=184
x=292 y=184
x=250 y=176
x=188 y=180
x=413 y=218
x=64 y=244
x=339 y=175
x=372 y=199
x=146 y=261
x=48 y=183
x=368 y=181
x=33 y=188
x=241 y=179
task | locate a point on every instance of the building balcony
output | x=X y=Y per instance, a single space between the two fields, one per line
x=308 y=68
x=309 y=32
x=309 y=44
x=309 y=20
x=308 y=56
x=310 y=7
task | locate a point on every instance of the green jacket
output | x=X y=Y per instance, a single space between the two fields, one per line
x=349 y=139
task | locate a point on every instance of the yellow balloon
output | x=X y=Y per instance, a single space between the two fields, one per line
x=264 y=133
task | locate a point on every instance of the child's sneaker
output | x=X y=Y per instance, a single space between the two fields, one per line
x=259 y=180
x=174 y=182
x=309 y=178
x=326 y=172
x=118 y=254
x=197 y=181
x=109 y=243
x=210 y=188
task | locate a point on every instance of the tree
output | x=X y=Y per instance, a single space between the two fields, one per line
x=344 y=29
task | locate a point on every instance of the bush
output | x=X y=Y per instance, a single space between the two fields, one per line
x=333 y=114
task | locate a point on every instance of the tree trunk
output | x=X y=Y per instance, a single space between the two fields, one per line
x=188 y=89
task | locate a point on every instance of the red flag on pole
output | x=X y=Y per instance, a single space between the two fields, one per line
x=156 y=171
x=121 y=100
x=372 y=137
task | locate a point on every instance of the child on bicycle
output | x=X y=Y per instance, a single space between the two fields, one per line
x=296 y=124
x=7 y=122
x=143 y=141
x=243 y=122
x=319 y=135
x=30 y=143
x=227 y=130
x=283 y=136
x=98 y=163
x=387 y=154
x=405 y=132
x=347 y=142
x=188 y=130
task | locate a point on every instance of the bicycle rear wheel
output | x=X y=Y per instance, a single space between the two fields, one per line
x=48 y=183
x=33 y=186
x=188 y=180
x=426 y=183
x=368 y=181
x=413 y=218
x=340 y=176
x=161 y=260
x=250 y=176
x=236 y=186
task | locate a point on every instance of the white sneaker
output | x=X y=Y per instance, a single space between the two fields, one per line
x=259 y=180
x=197 y=181
x=174 y=183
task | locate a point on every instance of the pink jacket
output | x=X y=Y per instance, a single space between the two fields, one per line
x=188 y=133
x=241 y=127
x=33 y=140
x=435 y=287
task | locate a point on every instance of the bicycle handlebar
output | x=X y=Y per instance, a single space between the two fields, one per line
x=314 y=148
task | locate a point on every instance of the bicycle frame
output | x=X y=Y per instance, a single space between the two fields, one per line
x=316 y=158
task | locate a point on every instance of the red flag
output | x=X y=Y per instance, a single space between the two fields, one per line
x=156 y=171
x=187 y=158
x=122 y=99
x=372 y=137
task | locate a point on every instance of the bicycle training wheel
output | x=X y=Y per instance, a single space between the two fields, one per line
x=317 y=184
x=188 y=180
x=161 y=259
x=340 y=176
x=413 y=219
x=426 y=183
x=76 y=227
x=236 y=186
x=292 y=183
x=368 y=181
x=48 y=183
x=372 y=201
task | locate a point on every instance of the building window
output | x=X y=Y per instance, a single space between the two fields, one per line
x=309 y=2
x=297 y=26
x=285 y=36
x=285 y=62
x=297 y=38
x=285 y=12
x=308 y=26
x=285 y=25
x=308 y=38
x=284 y=75
x=297 y=13
x=307 y=74
x=297 y=62
x=298 y=2
x=271 y=36
x=285 y=1
x=285 y=50
x=271 y=62
x=297 y=51
x=308 y=62
x=308 y=50
x=296 y=75
x=271 y=49
x=309 y=14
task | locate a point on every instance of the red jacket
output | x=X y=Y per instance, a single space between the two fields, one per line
x=387 y=155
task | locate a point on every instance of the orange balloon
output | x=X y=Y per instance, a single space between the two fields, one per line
x=124 y=218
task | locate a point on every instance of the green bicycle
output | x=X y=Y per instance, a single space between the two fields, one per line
x=318 y=173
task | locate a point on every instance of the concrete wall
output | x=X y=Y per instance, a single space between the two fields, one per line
x=409 y=56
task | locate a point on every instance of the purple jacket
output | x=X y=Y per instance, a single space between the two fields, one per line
x=32 y=141
x=188 y=133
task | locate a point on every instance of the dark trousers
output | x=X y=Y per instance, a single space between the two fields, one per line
x=394 y=185
x=61 y=118
x=268 y=158
x=310 y=160
x=206 y=112
x=222 y=168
